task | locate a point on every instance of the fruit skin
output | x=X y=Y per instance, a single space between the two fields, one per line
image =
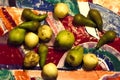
x=64 y=40
x=16 y=36
x=75 y=56
x=95 y=16
x=45 y=33
x=90 y=61
x=31 y=40
x=50 y=72
x=42 y=51
x=79 y=19
x=107 y=37
x=30 y=25
x=27 y=14
x=61 y=10
x=31 y=59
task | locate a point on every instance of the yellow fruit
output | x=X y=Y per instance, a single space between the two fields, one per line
x=31 y=59
x=31 y=40
x=45 y=33
x=90 y=61
x=61 y=10
x=50 y=71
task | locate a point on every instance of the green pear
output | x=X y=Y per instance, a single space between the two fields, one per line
x=16 y=36
x=29 y=15
x=42 y=51
x=95 y=16
x=74 y=56
x=30 y=25
x=108 y=36
x=79 y=19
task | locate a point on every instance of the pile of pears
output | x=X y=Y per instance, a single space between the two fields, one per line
x=30 y=24
x=32 y=31
x=93 y=19
x=29 y=33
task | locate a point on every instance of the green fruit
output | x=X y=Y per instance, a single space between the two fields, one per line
x=79 y=19
x=107 y=37
x=29 y=15
x=31 y=25
x=16 y=36
x=43 y=51
x=50 y=72
x=74 y=56
x=61 y=10
x=64 y=40
x=95 y=16
x=90 y=61
x=79 y=48
x=31 y=40
x=31 y=59
x=45 y=33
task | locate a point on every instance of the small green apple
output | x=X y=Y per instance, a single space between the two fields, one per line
x=16 y=36
x=50 y=72
x=31 y=40
x=90 y=61
x=64 y=40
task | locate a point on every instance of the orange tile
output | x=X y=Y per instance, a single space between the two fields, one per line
x=77 y=75
x=21 y=75
x=102 y=73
